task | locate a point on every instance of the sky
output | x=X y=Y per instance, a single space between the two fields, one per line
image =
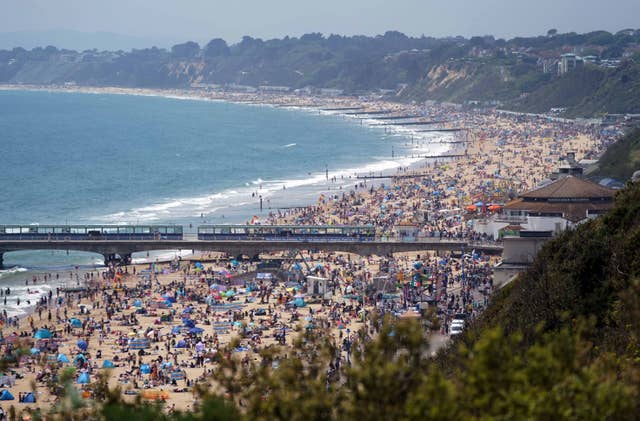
x=172 y=21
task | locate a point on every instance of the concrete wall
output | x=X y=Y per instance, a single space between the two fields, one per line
x=521 y=250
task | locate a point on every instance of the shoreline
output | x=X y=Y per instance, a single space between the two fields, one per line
x=316 y=185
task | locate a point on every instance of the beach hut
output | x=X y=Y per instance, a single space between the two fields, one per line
x=42 y=334
x=107 y=364
x=63 y=358
x=83 y=378
x=5 y=395
x=29 y=398
x=82 y=344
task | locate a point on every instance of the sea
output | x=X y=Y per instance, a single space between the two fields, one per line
x=87 y=158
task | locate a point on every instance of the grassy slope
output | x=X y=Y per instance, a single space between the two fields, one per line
x=622 y=158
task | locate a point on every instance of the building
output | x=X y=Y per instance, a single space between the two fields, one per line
x=536 y=216
x=568 y=62
x=559 y=205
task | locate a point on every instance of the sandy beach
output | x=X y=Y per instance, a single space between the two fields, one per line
x=181 y=317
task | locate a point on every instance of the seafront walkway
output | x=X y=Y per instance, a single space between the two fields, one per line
x=253 y=247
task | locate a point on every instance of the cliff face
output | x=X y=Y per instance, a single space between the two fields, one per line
x=447 y=73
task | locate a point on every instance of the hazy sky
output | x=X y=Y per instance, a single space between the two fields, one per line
x=181 y=20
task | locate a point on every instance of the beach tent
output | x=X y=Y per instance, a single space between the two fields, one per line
x=79 y=357
x=82 y=345
x=137 y=303
x=83 y=378
x=181 y=344
x=187 y=310
x=29 y=398
x=107 y=364
x=196 y=330
x=42 y=334
x=76 y=322
x=62 y=358
x=145 y=369
x=35 y=351
x=189 y=323
x=176 y=330
x=5 y=395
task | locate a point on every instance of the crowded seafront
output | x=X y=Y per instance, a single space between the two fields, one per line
x=159 y=328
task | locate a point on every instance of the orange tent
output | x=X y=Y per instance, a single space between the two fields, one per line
x=472 y=208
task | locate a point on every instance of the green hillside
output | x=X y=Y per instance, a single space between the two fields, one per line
x=622 y=158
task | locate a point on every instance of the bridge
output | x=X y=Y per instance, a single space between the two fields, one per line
x=124 y=248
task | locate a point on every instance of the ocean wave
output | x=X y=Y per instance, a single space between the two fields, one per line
x=289 y=145
x=15 y=269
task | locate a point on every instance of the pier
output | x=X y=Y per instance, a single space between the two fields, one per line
x=412 y=123
x=382 y=246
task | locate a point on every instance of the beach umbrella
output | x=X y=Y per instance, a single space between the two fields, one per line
x=181 y=344
x=76 y=322
x=176 y=330
x=62 y=358
x=82 y=345
x=196 y=330
x=137 y=303
x=83 y=378
x=189 y=323
x=145 y=369
x=42 y=334
x=107 y=364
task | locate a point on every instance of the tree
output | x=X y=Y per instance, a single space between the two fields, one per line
x=189 y=49
x=216 y=48
x=552 y=33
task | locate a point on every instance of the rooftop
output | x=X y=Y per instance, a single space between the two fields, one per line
x=569 y=188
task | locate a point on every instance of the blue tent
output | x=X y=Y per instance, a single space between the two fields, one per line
x=299 y=302
x=29 y=398
x=79 y=357
x=42 y=334
x=82 y=345
x=5 y=395
x=137 y=303
x=145 y=369
x=189 y=323
x=35 y=351
x=196 y=330
x=62 y=358
x=187 y=310
x=84 y=378
x=181 y=344
x=107 y=364
x=76 y=322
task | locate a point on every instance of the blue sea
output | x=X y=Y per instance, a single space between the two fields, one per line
x=81 y=158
